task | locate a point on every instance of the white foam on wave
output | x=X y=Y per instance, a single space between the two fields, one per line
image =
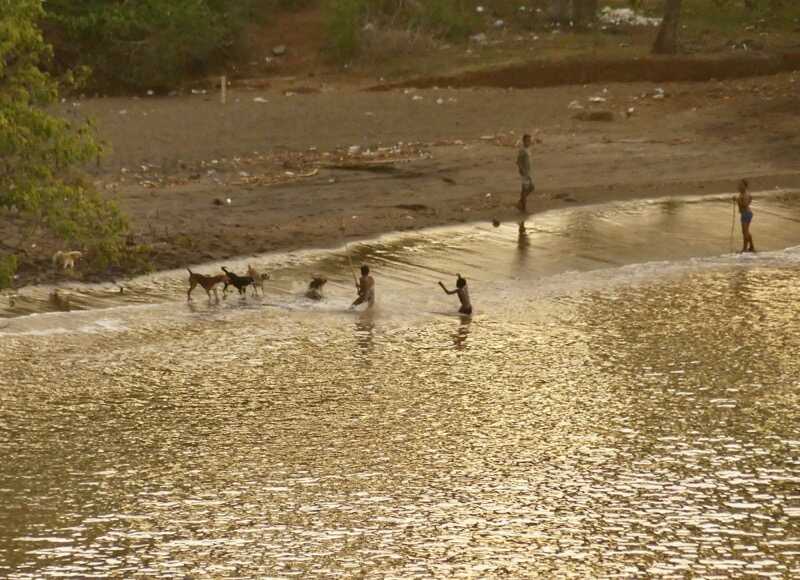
x=657 y=271
x=408 y=263
x=400 y=304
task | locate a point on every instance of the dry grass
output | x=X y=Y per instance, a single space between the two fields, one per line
x=382 y=45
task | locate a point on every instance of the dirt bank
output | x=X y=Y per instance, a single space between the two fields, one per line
x=579 y=71
x=278 y=157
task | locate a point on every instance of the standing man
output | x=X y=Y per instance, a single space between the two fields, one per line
x=524 y=167
x=743 y=200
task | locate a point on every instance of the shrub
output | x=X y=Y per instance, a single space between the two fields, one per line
x=148 y=43
x=453 y=19
x=8 y=267
x=346 y=20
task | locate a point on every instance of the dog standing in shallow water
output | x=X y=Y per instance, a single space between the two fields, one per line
x=208 y=283
x=239 y=282
x=258 y=279
x=314 y=291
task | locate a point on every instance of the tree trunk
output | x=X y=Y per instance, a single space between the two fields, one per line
x=584 y=12
x=560 y=10
x=667 y=40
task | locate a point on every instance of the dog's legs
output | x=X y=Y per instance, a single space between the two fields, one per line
x=192 y=284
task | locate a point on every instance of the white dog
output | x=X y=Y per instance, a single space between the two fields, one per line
x=66 y=260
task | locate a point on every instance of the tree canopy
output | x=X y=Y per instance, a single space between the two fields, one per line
x=41 y=154
x=151 y=44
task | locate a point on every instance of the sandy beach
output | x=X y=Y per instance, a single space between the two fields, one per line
x=304 y=164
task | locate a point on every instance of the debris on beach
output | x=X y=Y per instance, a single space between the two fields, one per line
x=626 y=17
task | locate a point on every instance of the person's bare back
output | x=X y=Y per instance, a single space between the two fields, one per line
x=463 y=294
x=366 y=289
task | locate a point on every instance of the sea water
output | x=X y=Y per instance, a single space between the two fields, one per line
x=623 y=403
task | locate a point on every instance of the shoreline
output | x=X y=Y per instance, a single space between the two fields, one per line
x=422 y=158
x=336 y=245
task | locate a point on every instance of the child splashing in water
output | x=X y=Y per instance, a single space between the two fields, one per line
x=463 y=294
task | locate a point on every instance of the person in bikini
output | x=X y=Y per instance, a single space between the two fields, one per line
x=463 y=295
x=743 y=200
x=366 y=289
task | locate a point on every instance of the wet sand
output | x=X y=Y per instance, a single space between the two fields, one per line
x=171 y=158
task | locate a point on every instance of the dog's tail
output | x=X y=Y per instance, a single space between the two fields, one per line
x=224 y=269
x=190 y=271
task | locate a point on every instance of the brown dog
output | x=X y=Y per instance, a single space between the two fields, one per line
x=258 y=279
x=314 y=291
x=208 y=283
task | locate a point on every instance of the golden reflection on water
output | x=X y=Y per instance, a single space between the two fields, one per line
x=628 y=431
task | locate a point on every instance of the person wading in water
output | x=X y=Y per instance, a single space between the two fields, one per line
x=463 y=295
x=366 y=289
x=743 y=200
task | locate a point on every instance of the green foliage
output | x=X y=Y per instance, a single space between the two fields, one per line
x=740 y=19
x=150 y=44
x=343 y=21
x=453 y=19
x=293 y=4
x=8 y=267
x=346 y=19
x=39 y=153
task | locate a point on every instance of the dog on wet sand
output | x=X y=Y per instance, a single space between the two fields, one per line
x=209 y=283
x=258 y=279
